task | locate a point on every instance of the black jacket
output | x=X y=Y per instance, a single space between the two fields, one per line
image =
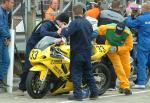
x=45 y=28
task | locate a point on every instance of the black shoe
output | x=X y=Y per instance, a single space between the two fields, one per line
x=93 y=96
x=75 y=98
x=121 y=90
x=127 y=91
x=3 y=85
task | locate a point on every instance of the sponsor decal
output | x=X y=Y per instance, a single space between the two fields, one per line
x=56 y=62
x=147 y=22
x=101 y=49
x=58 y=70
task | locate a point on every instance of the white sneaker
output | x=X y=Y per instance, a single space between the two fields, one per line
x=139 y=87
x=112 y=89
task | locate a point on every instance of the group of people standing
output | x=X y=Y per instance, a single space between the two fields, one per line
x=112 y=29
x=136 y=19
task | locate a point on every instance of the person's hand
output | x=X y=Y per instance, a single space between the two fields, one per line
x=59 y=31
x=59 y=42
x=7 y=42
x=112 y=49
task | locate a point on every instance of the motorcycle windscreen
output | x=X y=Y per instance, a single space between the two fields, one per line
x=45 y=42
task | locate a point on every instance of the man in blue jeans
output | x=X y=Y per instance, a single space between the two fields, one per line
x=4 y=39
x=142 y=24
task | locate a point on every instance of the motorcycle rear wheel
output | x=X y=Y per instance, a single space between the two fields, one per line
x=102 y=77
x=33 y=85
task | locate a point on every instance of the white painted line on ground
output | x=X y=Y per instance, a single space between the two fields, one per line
x=66 y=102
x=144 y=91
x=138 y=92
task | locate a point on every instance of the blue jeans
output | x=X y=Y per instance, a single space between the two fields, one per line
x=4 y=59
x=143 y=61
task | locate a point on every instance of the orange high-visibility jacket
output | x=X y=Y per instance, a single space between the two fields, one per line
x=49 y=14
x=93 y=12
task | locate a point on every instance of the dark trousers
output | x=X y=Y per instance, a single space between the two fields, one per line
x=81 y=68
x=27 y=66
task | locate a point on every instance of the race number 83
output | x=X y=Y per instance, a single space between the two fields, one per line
x=34 y=54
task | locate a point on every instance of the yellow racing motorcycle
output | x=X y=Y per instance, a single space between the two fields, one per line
x=51 y=69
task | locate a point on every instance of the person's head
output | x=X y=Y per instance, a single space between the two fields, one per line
x=115 y=4
x=145 y=7
x=54 y=4
x=120 y=28
x=79 y=9
x=94 y=5
x=8 y=4
x=135 y=10
x=62 y=19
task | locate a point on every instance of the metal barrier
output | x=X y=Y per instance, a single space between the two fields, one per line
x=10 y=69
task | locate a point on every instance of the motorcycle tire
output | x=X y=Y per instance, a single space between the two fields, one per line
x=32 y=85
x=147 y=75
x=102 y=77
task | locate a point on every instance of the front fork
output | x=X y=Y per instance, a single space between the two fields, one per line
x=43 y=76
x=43 y=70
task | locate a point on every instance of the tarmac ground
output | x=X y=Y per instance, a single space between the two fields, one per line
x=138 y=96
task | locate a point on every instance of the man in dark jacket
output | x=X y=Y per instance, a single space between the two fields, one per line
x=46 y=28
x=4 y=39
x=80 y=31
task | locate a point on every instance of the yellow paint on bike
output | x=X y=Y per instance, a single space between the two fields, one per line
x=65 y=50
x=38 y=68
x=99 y=51
x=42 y=69
x=67 y=87
x=59 y=66
x=43 y=75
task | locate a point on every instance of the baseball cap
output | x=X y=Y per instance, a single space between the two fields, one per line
x=120 y=28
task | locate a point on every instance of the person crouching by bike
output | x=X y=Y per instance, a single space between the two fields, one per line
x=121 y=41
x=142 y=23
x=80 y=31
x=45 y=28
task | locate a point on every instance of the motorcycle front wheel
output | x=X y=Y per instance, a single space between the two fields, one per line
x=35 y=87
x=102 y=77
